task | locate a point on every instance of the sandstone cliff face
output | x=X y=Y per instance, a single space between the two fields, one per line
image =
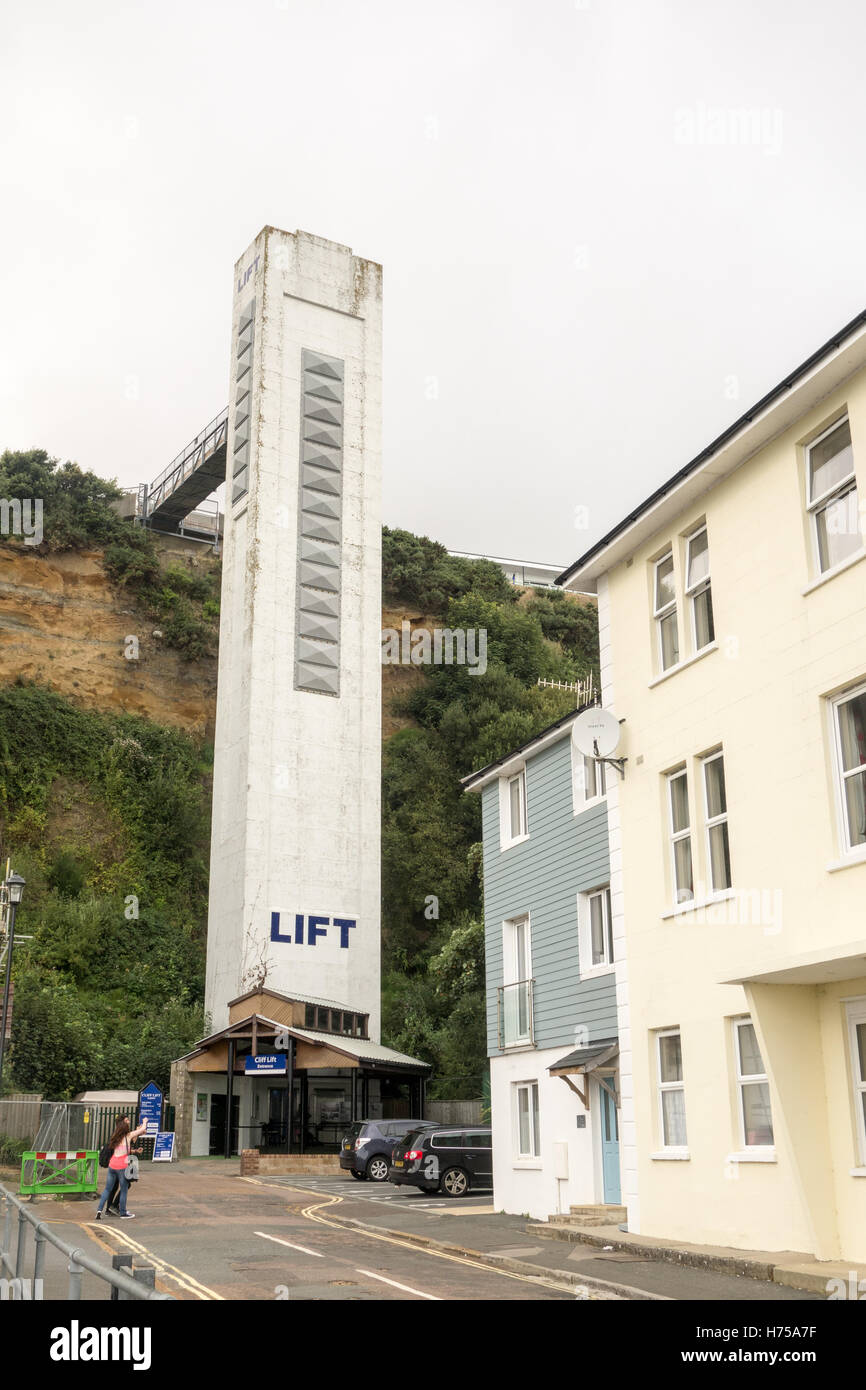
x=63 y=623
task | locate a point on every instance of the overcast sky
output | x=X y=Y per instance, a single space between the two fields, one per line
x=607 y=227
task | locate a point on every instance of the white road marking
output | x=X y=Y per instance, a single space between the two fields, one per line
x=368 y=1273
x=303 y=1249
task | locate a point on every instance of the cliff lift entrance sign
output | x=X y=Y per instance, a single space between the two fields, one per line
x=150 y=1109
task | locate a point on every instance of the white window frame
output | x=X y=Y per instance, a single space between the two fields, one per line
x=511 y=974
x=841 y=776
x=584 y=932
x=580 y=800
x=816 y=505
x=665 y=1086
x=749 y=1079
x=711 y=821
x=694 y=591
x=506 y=836
x=856 y=1013
x=534 y=1113
x=676 y=835
x=660 y=614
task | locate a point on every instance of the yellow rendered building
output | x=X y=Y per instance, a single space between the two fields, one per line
x=732 y=613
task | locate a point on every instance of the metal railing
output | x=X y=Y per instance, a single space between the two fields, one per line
x=186 y=462
x=515 y=1013
x=204 y=523
x=140 y=1286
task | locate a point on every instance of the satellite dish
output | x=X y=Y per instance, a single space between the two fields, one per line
x=596 y=732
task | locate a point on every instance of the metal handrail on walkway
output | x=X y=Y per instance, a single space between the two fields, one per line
x=79 y=1261
x=189 y=458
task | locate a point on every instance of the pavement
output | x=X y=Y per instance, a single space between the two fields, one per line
x=211 y=1235
x=790 y=1268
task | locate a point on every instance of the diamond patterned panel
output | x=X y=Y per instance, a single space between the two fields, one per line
x=320 y=578
x=317 y=679
x=324 y=629
x=243 y=402
x=318 y=503
x=314 y=601
x=317 y=654
x=323 y=482
x=323 y=366
x=318 y=528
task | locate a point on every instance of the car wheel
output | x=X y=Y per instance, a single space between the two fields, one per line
x=377 y=1169
x=454 y=1182
x=361 y=1177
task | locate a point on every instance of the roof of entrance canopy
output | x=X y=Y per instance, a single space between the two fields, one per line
x=360 y=1050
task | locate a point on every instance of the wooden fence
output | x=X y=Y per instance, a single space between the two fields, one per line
x=454 y=1112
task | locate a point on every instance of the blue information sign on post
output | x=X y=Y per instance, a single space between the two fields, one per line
x=150 y=1108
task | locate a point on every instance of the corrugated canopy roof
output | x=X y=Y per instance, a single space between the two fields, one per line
x=361 y=1048
x=297 y=999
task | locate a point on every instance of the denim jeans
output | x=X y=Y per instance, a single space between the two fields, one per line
x=116 y=1177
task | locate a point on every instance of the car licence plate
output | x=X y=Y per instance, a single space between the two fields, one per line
x=398 y=1163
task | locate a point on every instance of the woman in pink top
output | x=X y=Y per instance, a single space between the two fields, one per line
x=118 y=1163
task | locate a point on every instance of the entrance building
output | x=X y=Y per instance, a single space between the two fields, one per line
x=288 y=1076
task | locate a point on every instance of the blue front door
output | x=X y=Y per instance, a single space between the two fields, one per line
x=609 y=1144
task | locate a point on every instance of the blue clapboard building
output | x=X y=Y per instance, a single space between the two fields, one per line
x=551 y=977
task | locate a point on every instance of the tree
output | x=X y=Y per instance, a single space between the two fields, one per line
x=76 y=507
x=570 y=622
x=56 y=1050
x=154 y=1040
x=420 y=571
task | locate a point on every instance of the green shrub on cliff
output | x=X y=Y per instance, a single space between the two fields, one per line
x=77 y=513
x=109 y=984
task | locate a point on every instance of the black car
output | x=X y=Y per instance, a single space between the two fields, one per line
x=365 y=1149
x=445 y=1159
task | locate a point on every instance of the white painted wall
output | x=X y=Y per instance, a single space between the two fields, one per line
x=531 y=1187
x=297 y=775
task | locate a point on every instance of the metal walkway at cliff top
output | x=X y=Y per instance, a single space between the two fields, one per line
x=193 y=475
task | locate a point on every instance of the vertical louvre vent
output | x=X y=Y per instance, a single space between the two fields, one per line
x=242 y=402
x=317 y=652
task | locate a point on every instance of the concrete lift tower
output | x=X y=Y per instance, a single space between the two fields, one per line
x=295 y=845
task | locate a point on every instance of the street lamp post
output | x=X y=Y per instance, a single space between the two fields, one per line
x=14 y=886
